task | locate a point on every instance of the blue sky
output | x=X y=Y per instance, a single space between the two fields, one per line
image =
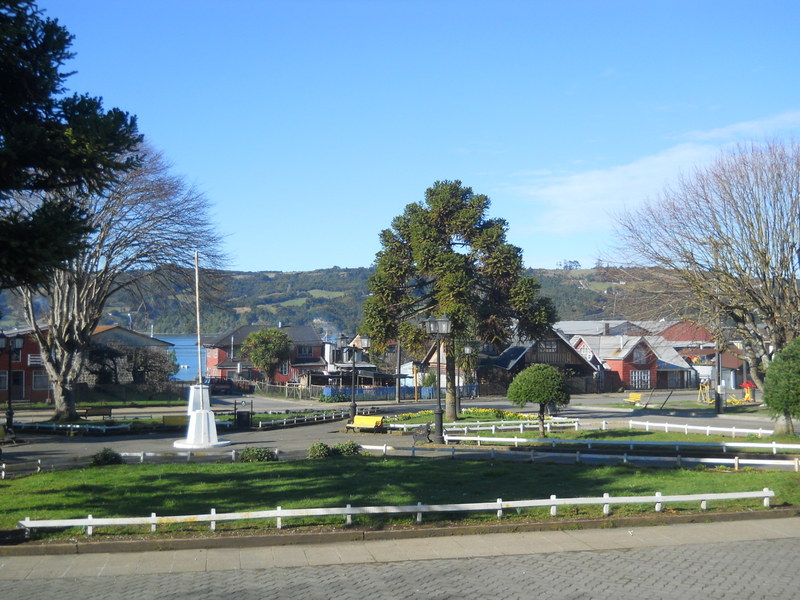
x=310 y=124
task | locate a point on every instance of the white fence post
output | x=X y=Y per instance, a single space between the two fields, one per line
x=278 y=520
x=658 y=504
x=606 y=507
x=89 y=528
x=152 y=521
x=499 y=508
x=213 y=523
x=766 y=497
x=349 y=517
x=553 y=507
x=419 y=513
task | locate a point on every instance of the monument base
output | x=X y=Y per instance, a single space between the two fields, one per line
x=202 y=430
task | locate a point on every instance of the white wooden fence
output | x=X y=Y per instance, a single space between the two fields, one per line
x=495 y=426
x=771 y=447
x=675 y=428
x=279 y=514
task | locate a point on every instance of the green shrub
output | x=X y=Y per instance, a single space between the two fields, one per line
x=106 y=456
x=256 y=454
x=319 y=450
x=348 y=448
x=334 y=398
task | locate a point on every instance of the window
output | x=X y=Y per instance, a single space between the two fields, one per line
x=640 y=355
x=284 y=368
x=548 y=346
x=40 y=380
x=305 y=351
x=3 y=380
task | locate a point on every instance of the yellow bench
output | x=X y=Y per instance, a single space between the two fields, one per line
x=175 y=420
x=634 y=398
x=366 y=422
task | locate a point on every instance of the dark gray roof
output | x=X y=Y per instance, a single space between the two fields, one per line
x=299 y=334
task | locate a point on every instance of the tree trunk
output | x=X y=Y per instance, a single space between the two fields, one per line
x=451 y=411
x=542 y=430
x=64 y=397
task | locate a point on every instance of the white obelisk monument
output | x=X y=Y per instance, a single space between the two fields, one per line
x=202 y=430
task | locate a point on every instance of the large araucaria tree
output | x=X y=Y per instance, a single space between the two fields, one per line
x=49 y=141
x=445 y=257
x=146 y=228
x=727 y=241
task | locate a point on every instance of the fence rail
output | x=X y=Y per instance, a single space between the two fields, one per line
x=418 y=509
x=773 y=447
x=708 y=430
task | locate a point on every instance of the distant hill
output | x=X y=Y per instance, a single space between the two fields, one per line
x=331 y=300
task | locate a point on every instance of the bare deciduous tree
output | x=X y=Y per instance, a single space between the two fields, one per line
x=147 y=227
x=728 y=239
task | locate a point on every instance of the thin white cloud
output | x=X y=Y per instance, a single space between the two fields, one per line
x=758 y=129
x=576 y=202
x=583 y=201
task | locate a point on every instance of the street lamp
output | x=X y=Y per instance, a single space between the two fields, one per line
x=365 y=343
x=468 y=360
x=9 y=345
x=438 y=329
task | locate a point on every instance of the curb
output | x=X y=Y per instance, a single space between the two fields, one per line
x=330 y=537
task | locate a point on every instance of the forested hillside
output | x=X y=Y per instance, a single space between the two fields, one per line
x=331 y=299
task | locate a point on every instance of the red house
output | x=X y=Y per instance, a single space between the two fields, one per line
x=224 y=355
x=22 y=372
x=636 y=362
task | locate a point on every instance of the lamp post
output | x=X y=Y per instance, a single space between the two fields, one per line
x=9 y=345
x=467 y=357
x=438 y=329
x=365 y=343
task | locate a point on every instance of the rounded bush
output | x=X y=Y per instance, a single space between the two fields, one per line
x=106 y=456
x=256 y=454
x=319 y=450
x=348 y=448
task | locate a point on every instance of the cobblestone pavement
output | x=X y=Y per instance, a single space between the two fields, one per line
x=751 y=569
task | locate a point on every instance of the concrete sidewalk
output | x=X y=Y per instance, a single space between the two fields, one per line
x=390 y=551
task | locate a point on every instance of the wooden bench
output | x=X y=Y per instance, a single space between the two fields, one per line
x=634 y=398
x=7 y=436
x=175 y=420
x=98 y=411
x=361 y=422
x=422 y=433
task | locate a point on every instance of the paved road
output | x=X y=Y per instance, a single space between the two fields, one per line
x=591 y=408
x=750 y=559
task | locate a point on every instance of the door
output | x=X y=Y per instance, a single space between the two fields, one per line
x=17 y=385
x=640 y=380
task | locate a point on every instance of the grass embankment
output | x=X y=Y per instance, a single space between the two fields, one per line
x=173 y=489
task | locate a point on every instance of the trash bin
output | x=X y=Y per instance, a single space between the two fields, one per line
x=243 y=418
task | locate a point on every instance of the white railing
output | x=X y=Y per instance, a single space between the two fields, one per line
x=418 y=509
x=708 y=430
x=495 y=426
x=69 y=427
x=773 y=447
x=327 y=416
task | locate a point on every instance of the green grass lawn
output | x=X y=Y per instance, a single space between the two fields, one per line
x=174 y=489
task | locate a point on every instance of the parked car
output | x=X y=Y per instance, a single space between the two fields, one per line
x=219 y=385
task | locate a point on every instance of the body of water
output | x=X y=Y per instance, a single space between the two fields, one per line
x=185 y=347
